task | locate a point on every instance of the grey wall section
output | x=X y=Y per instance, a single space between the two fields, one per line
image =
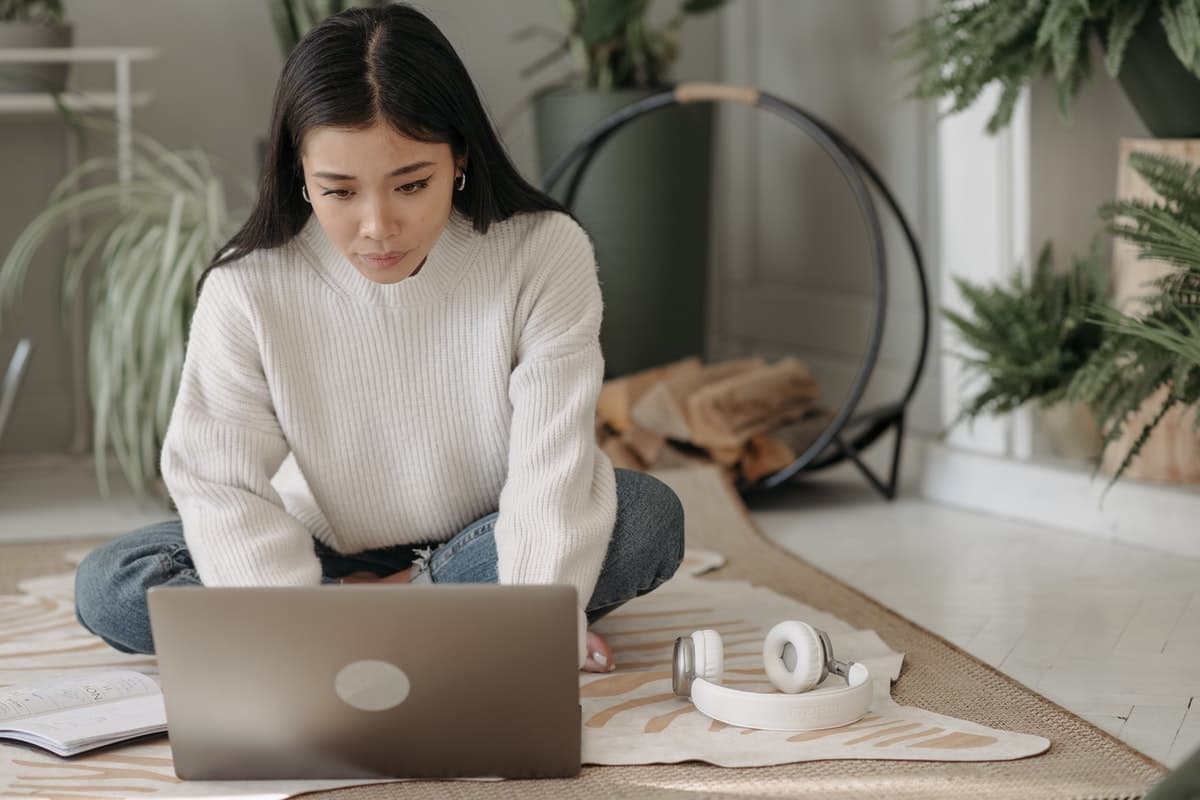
x=213 y=85
x=793 y=274
x=1074 y=166
x=1073 y=170
x=31 y=155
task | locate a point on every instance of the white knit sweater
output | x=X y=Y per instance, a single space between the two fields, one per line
x=411 y=409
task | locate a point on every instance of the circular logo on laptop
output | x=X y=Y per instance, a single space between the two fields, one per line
x=371 y=685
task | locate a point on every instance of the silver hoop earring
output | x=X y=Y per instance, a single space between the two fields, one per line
x=462 y=181
x=304 y=194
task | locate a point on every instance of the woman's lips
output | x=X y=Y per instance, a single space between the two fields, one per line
x=384 y=260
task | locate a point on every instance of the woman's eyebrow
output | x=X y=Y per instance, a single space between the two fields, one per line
x=336 y=176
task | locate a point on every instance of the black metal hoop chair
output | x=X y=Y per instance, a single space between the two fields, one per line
x=850 y=432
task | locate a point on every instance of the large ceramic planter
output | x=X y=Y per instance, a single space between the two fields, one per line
x=22 y=78
x=1162 y=91
x=645 y=202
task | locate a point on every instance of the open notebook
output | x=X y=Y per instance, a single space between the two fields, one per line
x=74 y=714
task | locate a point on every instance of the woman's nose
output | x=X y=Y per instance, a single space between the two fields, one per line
x=378 y=223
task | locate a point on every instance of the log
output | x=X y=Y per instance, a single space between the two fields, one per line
x=673 y=457
x=617 y=396
x=663 y=407
x=768 y=453
x=798 y=436
x=1172 y=453
x=727 y=413
x=726 y=456
x=657 y=410
x=646 y=444
x=764 y=455
x=621 y=455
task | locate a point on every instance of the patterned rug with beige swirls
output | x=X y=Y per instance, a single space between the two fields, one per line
x=630 y=715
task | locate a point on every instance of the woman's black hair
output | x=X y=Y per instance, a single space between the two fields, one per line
x=366 y=65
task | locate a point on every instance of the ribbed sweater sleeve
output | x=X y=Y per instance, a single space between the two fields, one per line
x=558 y=505
x=222 y=446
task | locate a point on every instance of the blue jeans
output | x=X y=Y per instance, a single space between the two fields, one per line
x=645 y=549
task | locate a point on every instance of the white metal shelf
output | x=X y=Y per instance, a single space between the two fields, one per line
x=121 y=101
x=75 y=101
x=60 y=55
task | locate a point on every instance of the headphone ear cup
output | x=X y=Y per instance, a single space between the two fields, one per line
x=810 y=656
x=709 y=655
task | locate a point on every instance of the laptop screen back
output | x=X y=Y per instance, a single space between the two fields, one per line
x=369 y=681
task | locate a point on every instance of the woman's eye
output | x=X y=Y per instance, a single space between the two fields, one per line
x=341 y=194
x=413 y=188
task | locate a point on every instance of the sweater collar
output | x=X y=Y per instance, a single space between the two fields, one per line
x=444 y=267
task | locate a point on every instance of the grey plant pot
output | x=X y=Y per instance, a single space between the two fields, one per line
x=1165 y=94
x=23 y=78
x=645 y=201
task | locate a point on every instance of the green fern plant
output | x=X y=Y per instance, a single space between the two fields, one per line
x=963 y=47
x=145 y=244
x=1030 y=336
x=1160 y=346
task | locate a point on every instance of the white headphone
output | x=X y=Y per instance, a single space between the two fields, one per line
x=796 y=657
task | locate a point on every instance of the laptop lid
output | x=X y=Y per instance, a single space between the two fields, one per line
x=369 y=680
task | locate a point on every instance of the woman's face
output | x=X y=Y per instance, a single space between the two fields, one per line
x=382 y=198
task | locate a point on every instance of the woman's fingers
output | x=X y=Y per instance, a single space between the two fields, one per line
x=403 y=576
x=600 y=655
x=360 y=577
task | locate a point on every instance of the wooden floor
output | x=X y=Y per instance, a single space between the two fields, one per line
x=1107 y=630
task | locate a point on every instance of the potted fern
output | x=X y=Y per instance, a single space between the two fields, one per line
x=1056 y=338
x=30 y=24
x=1151 y=46
x=1150 y=357
x=645 y=199
x=1028 y=339
x=145 y=244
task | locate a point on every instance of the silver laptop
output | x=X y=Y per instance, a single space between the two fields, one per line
x=369 y=680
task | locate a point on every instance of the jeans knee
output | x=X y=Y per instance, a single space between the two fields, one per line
x=652 y=512
x=112 y=580
x=673 y=528
x=95 y=587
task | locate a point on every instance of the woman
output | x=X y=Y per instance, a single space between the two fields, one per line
x=410 y=330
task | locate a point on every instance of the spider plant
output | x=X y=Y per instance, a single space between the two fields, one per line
x=145 y=244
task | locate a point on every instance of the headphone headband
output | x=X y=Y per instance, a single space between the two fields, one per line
x=697 y=665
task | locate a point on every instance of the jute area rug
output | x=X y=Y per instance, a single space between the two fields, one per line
x=1082 y=762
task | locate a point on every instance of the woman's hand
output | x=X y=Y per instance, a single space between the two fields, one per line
x=370 y=577
x=600 y=655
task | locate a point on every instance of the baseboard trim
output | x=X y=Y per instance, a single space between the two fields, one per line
x=1154 y=516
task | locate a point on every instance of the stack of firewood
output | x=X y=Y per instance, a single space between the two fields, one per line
x=747 y=416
